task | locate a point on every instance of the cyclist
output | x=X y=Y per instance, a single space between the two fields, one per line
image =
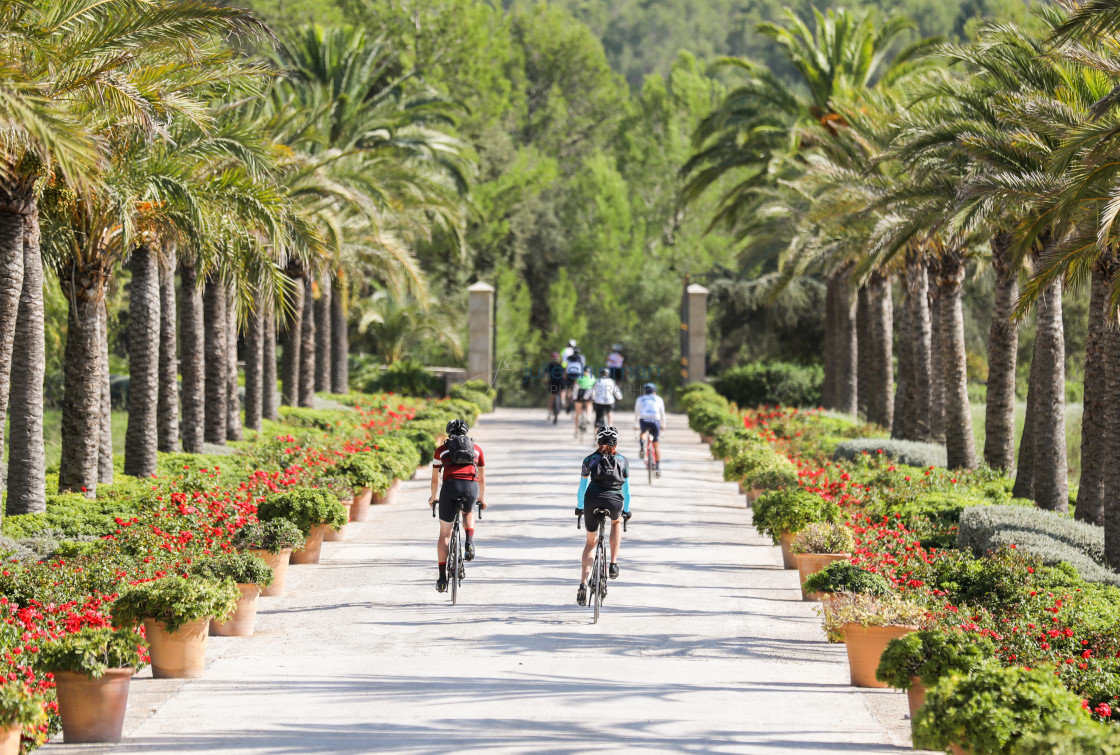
x=555 y=378
x=615 y=363
x=570 y=349
x=604 y=484
x=573 y=369
x=461 y=461
x=603 y=395
x=649 y=418
x=583 y=395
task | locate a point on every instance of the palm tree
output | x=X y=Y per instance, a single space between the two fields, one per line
x=141 y=441
x=167 y=410
x=192 y=347
x=391 y=328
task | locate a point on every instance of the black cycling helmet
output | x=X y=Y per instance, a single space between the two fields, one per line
x=607 y=436
x=456 y=427
x=650 y=388
x=604 y=372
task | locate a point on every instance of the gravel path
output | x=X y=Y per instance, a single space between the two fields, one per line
x=704 y=645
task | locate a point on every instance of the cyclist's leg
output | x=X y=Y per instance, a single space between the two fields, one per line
x=588 y=555
x=444 y=541
x=616 y=530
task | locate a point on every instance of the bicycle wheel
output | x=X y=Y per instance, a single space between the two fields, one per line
x=453 y=556
x=599 y=570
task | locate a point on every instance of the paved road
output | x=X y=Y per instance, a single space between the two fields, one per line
x=703 y=647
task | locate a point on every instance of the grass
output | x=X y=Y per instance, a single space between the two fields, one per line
x=52 y=435
x=1073 y=434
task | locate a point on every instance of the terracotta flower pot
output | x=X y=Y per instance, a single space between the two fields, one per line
x=865 y=647
x=811 y=563
x=278 y=562
x=706 y=439
x=309 y=553
x=9 y=741
x=957 y=749
x=337 y=536
x=180 y=654
x=243 y=620
x=784 y=540
x=916 y=695
x=92 y=710
x=359 y=510
x=390 y=495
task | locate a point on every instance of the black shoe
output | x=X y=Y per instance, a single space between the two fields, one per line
x=581 y=595
x=641 y=452
x=468 y=551
x=613 y=571
x=441 y=584
x=657 y=472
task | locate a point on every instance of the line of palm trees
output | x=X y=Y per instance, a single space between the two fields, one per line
x=913 y=165
x=274 y=178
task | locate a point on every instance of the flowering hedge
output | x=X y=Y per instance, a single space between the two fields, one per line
x=904 y=523
x=140 y=530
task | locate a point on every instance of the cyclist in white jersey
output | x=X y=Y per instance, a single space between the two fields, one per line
x=603 y=395
x=649 y=417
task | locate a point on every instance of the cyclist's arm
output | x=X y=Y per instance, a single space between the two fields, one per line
x=626 y=496
x=583 y=483
x=435 y=484
x=481 y=484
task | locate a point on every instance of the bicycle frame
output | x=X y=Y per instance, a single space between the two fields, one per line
x=598 y=580
x=456 y=569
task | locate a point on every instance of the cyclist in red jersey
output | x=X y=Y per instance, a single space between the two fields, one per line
x=462 y=465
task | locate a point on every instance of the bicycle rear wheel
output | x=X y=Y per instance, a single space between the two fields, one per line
x=453 y=556
x=599 y=569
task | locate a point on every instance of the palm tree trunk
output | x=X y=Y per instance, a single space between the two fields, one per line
x=960 y=444
x=84 y=287
x=340 y=339
x=1003 y=348
x=1096 y=432
x=1112 y=448
x=880 y=354
x=191 y=330
x=268 y=363
x=253 y=368
x=840 y=332
x=918 y=386
x=323 y=337
x=217 y=343
x=141 y=438
x=105 y=467
x=17 y=208
x=27 y=460
x=1051 y=483
x=937 y=365
x=863 y=339
x=902 y=409
x=233 y=401
x=293 y=328
x=168 y=409
x=307 y=348
x=1024 y=465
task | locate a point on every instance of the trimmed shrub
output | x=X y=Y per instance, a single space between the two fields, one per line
x=843 y=576
x=906 y=452
x=272 y=536
x=708 y=416
x=176 y=601
x=305 y=508
x=931 y=655
x=729 y=442
x=243 y=568
x=423 y=442
x=823 y=537
x=790 y=511
x=407 y=378
x=1099 y=739
x=365 y=470
x=772 y=383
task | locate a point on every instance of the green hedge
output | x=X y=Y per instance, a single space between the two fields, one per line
x=907 y=452
x=772 y=384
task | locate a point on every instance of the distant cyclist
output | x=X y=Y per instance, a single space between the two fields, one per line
x=604 y=484
x=603 y=395
x=554 y=375
x=573 y=369
x=615 y=362
x=584 y=384
x=649 y=418
x=464 y=482
x=570 y=349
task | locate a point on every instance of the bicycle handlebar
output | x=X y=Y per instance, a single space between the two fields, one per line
x=579 y=521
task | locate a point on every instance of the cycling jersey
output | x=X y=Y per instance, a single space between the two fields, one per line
x=585 y=383
x=458 y=471
x=615 y=360
x=650 y=407
x=605 y=392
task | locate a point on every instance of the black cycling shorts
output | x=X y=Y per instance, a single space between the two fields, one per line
x=450 y=492
x=601 y=411
x=609 y=501
x=583 y=394
x=652 y=427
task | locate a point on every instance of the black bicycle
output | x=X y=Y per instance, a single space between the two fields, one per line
x=456 y=564
x=597 y=582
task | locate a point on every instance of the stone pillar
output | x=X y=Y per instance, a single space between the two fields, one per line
x=480 y=362
x=696 y=331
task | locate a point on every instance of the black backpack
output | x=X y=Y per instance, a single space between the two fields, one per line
x=607 y=473
x=460 y=450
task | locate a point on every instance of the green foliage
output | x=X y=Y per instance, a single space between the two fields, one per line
x=273 y=536
x=772 y=384
x=242 y=568
x=993 y=708
x=365 y=470
x=791 y=510
x=869 y=611
x=305 y=508
x=92 y=651
x=842 y=576
x=69 y=516
x=708 y=415
x=405 y=377
x=823 y=537
x=19 y=707
x=931 y=655
x=1084 y=738
x=320 y=419
x=421 y=440
x=398 y=456
x=907 y=452
x=175 y=600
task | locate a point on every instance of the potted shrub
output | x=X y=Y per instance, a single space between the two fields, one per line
x=272 y=542
x=366 y=475
x=341 y=489
x=990 y=710
x=92 y=669
x=841 y=577
x=19 y=710
x=176 y=614
x=817 y=546
x=780 y=514
x=251 y=574
x=867 y=624
x=312 y=510
x=921 y=659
